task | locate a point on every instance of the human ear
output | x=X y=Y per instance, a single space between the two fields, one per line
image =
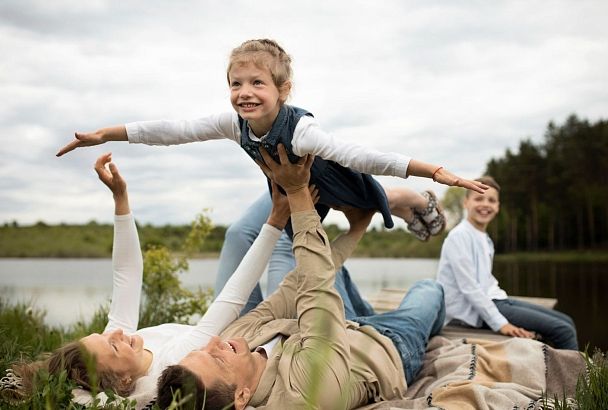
x=284 y=91
x=241 y=398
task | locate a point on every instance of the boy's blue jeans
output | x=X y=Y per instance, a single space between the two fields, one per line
x=419 y=316
x=555 y=327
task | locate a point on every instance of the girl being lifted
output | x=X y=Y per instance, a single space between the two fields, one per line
x=259 y=76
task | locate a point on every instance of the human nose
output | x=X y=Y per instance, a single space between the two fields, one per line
x=213 y=343
x=245 y=91
x=117 y=334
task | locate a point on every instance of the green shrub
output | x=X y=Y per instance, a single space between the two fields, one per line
x=25 y=336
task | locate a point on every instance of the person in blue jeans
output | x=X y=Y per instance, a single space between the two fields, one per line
x=472 y=293
x=296 y=349
x=419 y=316
x=239 y=237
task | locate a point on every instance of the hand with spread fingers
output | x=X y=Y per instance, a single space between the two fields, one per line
x=291 y=177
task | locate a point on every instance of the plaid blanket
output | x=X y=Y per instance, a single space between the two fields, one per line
x=481 y=374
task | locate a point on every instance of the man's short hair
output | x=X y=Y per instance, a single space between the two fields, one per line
x=488 y=180
x=177 y=378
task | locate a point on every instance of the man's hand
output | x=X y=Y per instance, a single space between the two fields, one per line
x=291 y=177
x=510 y=330
x=280 y=212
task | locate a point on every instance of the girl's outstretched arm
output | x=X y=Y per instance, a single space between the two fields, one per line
x=443 y=176
x=88 y=139
x=309 y=138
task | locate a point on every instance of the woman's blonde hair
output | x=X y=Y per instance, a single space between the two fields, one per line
x=76 y=361
x=263 y=53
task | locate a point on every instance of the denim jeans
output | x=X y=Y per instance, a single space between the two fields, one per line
x=555 y=327
x=239 y=237
x=419 y=316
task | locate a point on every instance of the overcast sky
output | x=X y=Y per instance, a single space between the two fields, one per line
x=448 y=82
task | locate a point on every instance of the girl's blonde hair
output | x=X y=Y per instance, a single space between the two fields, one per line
x=73 y=358
x=263 y=53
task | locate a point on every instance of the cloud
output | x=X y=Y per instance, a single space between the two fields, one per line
x=452 y=83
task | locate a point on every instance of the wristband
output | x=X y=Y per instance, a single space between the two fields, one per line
x=435 y=172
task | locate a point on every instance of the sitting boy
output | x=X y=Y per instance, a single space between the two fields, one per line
x=472 y=294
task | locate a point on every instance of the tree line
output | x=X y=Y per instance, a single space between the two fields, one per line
x=554 y=195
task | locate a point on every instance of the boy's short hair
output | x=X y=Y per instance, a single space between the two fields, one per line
x=488 y=180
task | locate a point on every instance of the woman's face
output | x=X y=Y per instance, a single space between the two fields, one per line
x=118 y=353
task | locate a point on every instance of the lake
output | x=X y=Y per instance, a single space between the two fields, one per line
x=72 y=289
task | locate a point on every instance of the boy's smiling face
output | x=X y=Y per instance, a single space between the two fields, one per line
x=482 y=208
x=254 y=96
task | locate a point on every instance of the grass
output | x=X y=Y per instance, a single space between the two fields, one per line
x=591 y=388
x=24 y=335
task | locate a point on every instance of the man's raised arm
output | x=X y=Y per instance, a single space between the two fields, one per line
x=324 y=355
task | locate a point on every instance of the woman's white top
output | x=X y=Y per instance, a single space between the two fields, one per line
x=308 y=138
x=171 y=342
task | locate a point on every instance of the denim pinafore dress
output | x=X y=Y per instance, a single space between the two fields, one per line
x=338 y=185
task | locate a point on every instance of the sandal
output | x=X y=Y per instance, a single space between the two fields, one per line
x=432 y=216
x=418 y=228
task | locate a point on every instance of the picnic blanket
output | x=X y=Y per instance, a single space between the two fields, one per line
x=482 y=374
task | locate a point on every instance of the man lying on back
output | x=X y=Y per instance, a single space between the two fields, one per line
x=296 y=350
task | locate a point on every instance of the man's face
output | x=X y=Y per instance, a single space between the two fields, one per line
x=228 y=361
x=482 y=208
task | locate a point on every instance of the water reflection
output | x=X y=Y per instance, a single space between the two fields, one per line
x=72 y=289
x=581 y=289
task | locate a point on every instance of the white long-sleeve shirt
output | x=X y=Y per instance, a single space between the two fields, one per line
x=171 y=342
x=465 y=272
x=308 y=138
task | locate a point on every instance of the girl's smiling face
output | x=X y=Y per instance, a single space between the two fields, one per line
x=255 y=97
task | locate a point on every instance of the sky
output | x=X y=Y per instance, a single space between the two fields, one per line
x=453 y=83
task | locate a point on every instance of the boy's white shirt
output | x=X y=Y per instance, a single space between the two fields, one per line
x=171 y=342
x=465 y=272
x=308 y=138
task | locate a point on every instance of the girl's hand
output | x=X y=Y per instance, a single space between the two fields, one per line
x=82 y=139
x=445 y=177
x=88 y=139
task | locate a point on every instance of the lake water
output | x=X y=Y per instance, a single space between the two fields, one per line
x=72 y=289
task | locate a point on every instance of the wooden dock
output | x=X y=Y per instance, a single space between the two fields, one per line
x=389 y=299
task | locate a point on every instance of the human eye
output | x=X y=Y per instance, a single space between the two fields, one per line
x=235 y=84
x=258 y=82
